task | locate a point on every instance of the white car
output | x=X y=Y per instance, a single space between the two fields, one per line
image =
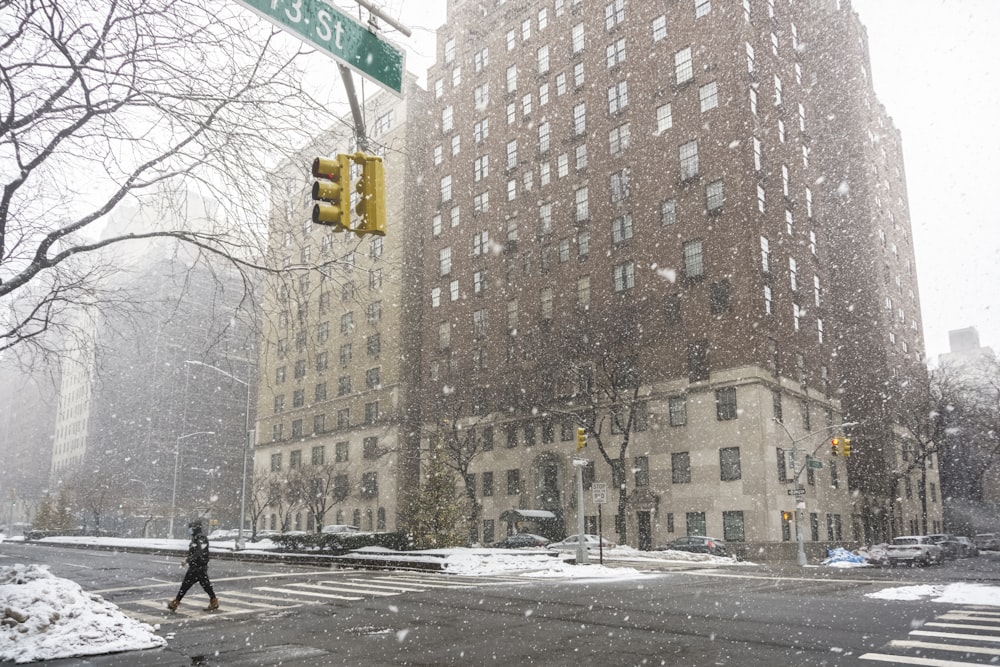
x=913 y=549
x=593 y=543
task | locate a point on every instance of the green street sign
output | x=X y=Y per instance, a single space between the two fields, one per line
x=815 y=464
x=337 y=34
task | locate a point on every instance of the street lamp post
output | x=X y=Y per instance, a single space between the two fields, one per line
x=800 y=503
x=240 y=542
x=177 y=459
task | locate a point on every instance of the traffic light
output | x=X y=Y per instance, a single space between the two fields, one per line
x=371 y=196
x=835 y=446
x=581 y=438
x=786 y=515
x=846 y=447
x=332 y=193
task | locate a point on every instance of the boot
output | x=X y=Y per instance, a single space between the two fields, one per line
x=173 y=604
x=213 y=604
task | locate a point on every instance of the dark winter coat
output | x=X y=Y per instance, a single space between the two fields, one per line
x=198 y=551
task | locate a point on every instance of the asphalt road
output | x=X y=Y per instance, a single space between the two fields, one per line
x=748 y=616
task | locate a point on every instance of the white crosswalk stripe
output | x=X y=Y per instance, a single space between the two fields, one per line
x=966 y=636
x=345 y=586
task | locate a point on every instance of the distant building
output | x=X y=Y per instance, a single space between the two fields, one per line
x=129 y=401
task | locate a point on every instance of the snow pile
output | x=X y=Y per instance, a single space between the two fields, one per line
x=44 y=617
x=486 y=562
x=841 y=557
x=958 y=593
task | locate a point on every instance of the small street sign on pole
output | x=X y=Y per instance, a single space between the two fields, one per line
x=338 y=35
x=600 y=492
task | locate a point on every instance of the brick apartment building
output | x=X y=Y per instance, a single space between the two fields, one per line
x=699 y=205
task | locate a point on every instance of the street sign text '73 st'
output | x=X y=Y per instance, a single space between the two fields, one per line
x=342 y=37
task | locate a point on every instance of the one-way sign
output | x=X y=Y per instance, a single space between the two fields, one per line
x=336 y=33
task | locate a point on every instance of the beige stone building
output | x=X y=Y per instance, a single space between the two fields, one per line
x=336 y=375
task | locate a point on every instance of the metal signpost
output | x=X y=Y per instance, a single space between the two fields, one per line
x=600 y=492
x=337 y=34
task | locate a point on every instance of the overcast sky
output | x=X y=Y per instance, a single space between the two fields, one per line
x=935 y=66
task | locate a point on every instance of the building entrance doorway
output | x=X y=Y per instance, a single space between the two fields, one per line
x=645 y=525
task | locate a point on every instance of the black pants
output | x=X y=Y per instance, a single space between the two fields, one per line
x=196 y=573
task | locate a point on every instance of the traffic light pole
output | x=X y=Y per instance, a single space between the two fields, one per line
x=800 y=503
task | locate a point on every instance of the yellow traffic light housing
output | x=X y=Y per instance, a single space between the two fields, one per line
x=581 y=438
x=332 y=193
x=835 y=446
x=786 y=515
x=846 y=447
x=371 y=196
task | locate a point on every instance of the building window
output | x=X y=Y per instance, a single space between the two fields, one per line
x=619 y=139
x=698 y=367
x=371 y=412
x=725 y=403
x=369 y=484
x=624 y=275
x=720 y=297
x=618 y=97
x=678 y=411
x=319 y=425
x=689 y=160
x=620 y=184
x=709 y=96
x=513 y=482
x=702 y=7
x=683 y=68
x=729 y=464
x=732 y=526
x=487 y=484
x=680 y=468
x=582 y=204
x=621 y=229
x=668 y=212
x=577 y=38
x=641 y=469
x=659 y=27
x=694 y=264
x=664 y=118
x=580 y=119
x=616 y=53
x=714 y=196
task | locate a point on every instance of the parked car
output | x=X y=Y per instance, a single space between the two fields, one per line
x=987 y=541
x=521 y=541
x=699 y=544
x=969 y=548
x=340 y=528
x=952 y=547
x=913 y=550
x=593 y=543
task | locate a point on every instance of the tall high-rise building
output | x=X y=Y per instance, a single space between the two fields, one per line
x=683 y=227
x=338 y=371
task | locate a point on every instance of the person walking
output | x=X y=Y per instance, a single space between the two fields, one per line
x=197 y=568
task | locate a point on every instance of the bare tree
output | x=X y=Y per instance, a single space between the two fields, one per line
x=314 y=485
x=258 y=490
x=111 y=106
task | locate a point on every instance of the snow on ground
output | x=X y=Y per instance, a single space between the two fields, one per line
x=957 y=593
x=45 y=617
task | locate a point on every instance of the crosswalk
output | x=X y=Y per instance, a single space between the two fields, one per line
x=969 y=635
x=271 y=597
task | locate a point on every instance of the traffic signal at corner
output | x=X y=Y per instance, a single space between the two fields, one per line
x=371 y=196
x=835 y=446
x=332 y=193
x=581 y=438
x=845 y=447
x=786 y=515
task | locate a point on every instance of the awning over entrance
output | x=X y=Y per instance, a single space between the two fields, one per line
x=512 y=516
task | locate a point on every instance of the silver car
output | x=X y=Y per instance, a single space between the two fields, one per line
x=913 y=550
